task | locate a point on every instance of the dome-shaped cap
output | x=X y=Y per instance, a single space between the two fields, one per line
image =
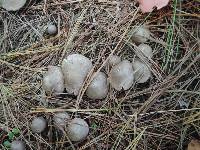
x=12 y=5
x=53 y=80
x=122 y=76
x=142 y=72
x=141 y=34
x=98 y=88
x=75 y=69
x=77 y=129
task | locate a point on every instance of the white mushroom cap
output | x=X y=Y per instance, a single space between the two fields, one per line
x=52 y=29
x=98 y=88
x=142 y=72
x=114 y=60
x=38 y=125
x=75 y=69
x=146 y=50
x=78 y=129
x=122 y=76
x=141 y=34
x=60 y=119
x=53 y=80
x=12 y=5
x=17 y=145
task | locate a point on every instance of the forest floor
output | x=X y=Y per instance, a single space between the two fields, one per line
x=163 y=113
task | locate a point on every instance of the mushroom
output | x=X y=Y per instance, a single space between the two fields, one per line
x=51 y=29
x=38 y=125
x=146 y=50
x=60 y=119
x=77 y=129
x=122 y=76
x=12 y=5
x=53 y=80
x=141 y=34
x=17 y=145
x=142 y=72
x=114 y=60
x=75 y=69
x=98 y=88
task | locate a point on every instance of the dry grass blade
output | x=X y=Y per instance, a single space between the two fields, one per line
x=162 y=113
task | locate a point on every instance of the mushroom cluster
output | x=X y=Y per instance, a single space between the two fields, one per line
x=71 y=76
x=76 y=67
x=142 y=71
x=73 y=72
x=77 y=129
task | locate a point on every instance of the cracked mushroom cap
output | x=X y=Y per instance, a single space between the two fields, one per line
x=53 y=80
x=146 y=50
x=142 y=72
x=141 y=34
x=38 y=125
x=114 y=60
x=60 y=119
x=75 y=69
x=17 y=145
x=77 y=129
x=122 y=76
x=98 y=88
x=12 y=5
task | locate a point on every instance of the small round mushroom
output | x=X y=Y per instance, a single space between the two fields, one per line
x=38 y=125
x=77 y=129
x=52 y=29
x=146 y=50
x=12 y=5
x=98 y=88
x=114 y=60
x=122 y=76
x=17 y=145
x=142 y=72
x=53 y=80
x=75 y=69
x=60 y=119
x=141 y=34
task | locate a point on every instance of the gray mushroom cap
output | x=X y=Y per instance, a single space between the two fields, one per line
x=75 y=69
x=77 y=129
x=141 y=34
x=122 y=76
x=114 y=60
x=60 y=119
x=12 y=5
x=146 y=50
x=98 y=88
x=52 y=29
x=142 y=72
x=38 y=125
x=17 y=145
x=53 y=80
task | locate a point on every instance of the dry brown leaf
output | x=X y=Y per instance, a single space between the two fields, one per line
x=148 y=5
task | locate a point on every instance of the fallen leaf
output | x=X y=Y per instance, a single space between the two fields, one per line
x=148 y=5
x=194 y=145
